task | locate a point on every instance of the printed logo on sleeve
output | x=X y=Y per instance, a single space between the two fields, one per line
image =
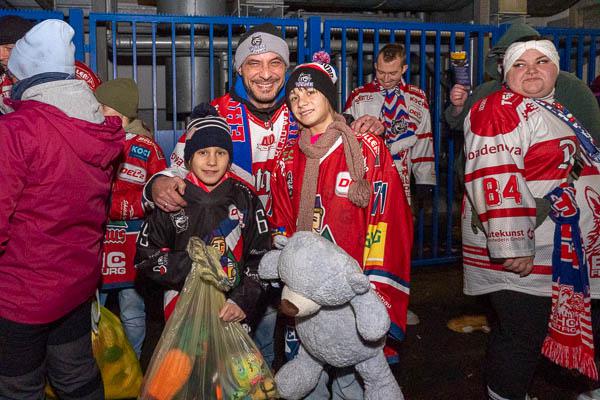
x=139 y=152
x=132 y=173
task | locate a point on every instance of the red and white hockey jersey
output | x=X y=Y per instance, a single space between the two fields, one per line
x=409 y=138
x=379 y=236
x=517 y=151
x=141 y=158
x=256 y=143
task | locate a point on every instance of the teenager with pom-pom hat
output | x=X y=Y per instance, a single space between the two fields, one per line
x=340 y=185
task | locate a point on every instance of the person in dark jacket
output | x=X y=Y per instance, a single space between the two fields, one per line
x=56 y=169
x=222 y=211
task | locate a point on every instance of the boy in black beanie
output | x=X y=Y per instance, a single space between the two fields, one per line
x=222 y=211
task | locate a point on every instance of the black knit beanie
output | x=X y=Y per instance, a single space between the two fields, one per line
x=319 y=75
x=13 y=28
x=207 y=129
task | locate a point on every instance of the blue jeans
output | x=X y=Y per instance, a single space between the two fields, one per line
x=133 y=316
x=264 y=335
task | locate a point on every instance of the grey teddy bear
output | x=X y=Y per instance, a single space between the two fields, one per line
x=339 y=319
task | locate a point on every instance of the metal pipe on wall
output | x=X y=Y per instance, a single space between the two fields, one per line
x=189 y=77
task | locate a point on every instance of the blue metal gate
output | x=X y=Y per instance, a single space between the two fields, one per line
x=135 y=40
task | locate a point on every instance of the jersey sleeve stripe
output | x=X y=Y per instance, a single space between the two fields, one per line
x=507 y=213
x=491 y=171
x=423 y=159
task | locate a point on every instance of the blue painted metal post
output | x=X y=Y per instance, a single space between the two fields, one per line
x=76 y=22
x=313 y=36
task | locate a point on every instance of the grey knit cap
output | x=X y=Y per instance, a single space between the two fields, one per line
x=260 y=39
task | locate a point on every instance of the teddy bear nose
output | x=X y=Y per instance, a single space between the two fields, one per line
x=288 y=308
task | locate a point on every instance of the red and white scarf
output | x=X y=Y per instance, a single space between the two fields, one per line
x=570 y=341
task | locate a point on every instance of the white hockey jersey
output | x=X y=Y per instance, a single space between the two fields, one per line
x=409 y=138
x=517 y=151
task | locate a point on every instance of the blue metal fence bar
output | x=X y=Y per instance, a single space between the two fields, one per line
x=174 y=73
x=193 y=62
x=33 y=15
x=437 y=140
x=76 y=22
x=407 y=37
x=360 y=57
x=229 y=57
x=211 y=58
x=343 y=63
x=592 y=60
x=114 y=48
x=579 y=64
x=134 y=49
x=154 y=101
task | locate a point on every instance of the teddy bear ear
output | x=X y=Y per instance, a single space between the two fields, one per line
x=359 y=282
x=267 y=269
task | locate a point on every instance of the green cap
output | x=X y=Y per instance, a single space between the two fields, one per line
x=121 y=94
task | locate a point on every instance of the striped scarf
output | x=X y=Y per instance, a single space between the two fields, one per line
x=570 y=342
x=398 y=126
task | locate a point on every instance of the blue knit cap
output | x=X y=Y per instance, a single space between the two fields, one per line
x=207 y=129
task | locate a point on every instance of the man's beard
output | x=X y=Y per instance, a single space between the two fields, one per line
x=263 y=100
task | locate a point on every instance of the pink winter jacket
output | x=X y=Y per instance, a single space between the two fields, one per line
x=55 y=179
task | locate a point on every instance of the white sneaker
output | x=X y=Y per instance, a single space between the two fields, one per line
x=591 y=395
x=412 y=318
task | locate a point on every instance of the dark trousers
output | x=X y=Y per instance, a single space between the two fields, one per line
x=514 y=348
x=60 y=351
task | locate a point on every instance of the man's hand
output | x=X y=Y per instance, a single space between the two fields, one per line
x=167 y=192
x=231 y=312
x=519 y=265
x=458 y=98
x=368 y=124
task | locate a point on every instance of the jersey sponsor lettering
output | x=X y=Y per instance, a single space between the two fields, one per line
x=374 y=251
x=115 y=234
x=364 y=97
x=132 y=173
x=342 y=183
x=267 y=142
x=113 y=263
x=139 y=152
x=494 y=149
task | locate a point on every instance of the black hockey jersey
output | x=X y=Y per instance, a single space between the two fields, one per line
x=230 y=218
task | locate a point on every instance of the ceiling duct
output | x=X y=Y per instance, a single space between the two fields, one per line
x=380 y=5
x=535 y=8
